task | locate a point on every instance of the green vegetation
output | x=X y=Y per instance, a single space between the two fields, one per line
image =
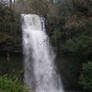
x=10 y=30
x=69 y=26
x=11 y=84
x=10 y=45
x=86 y=76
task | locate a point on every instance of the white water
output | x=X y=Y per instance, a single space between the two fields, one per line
x=39 y=57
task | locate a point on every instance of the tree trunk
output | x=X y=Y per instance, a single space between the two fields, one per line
x=11 y=4
x=14 y=4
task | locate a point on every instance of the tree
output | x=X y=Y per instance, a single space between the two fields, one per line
x=10 y=4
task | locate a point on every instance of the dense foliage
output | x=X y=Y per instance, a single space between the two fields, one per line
x=86 y=76
x=9 y=30
x=69 y=26
x=10 y=43
x=11 y=84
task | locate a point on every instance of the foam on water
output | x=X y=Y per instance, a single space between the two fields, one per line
x=39 y=57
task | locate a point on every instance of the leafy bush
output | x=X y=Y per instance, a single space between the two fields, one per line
x=8 y=84
x=86 y=77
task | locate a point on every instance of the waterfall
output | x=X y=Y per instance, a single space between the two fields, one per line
x=40 y=71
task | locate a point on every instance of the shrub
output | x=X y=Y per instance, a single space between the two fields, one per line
x=8 y=84
x=86 y=77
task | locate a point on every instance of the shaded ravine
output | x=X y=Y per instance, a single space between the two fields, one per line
x=39 y=57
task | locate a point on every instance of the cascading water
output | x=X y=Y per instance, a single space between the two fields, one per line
x=39 y=57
